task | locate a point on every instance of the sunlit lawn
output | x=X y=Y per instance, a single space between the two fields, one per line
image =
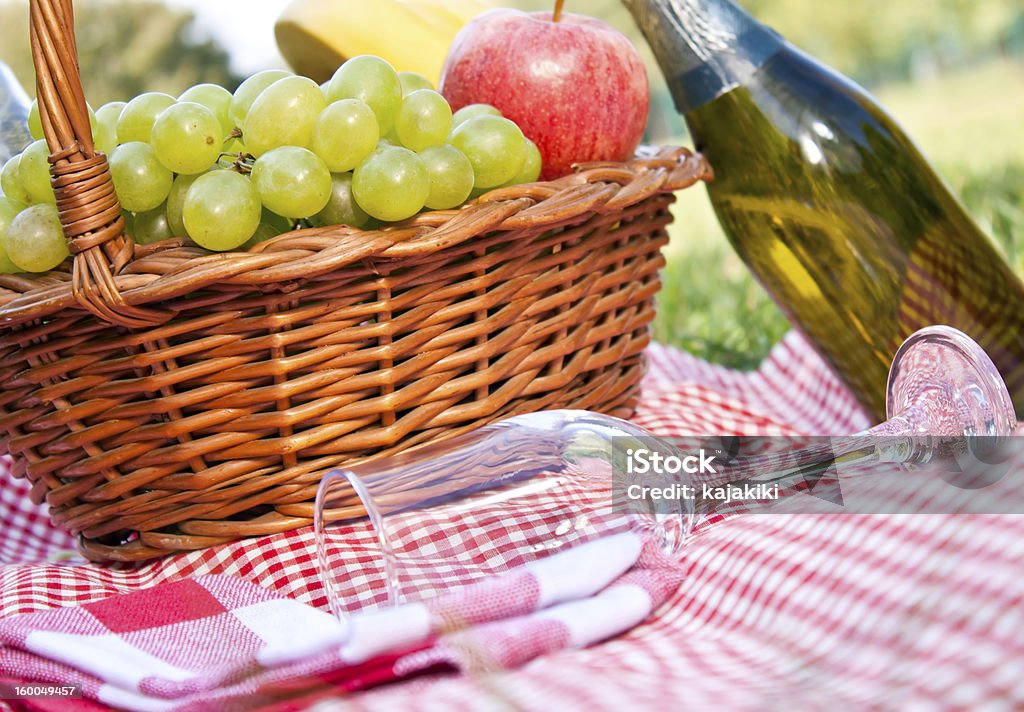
x=968 y=124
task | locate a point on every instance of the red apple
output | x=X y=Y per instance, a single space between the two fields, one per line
x=575 y=86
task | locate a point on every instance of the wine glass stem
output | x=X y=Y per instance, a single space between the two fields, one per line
x=897 y=440
x=790 y=468
x=888 y=443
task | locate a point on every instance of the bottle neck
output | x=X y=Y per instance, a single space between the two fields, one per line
x=705 y=47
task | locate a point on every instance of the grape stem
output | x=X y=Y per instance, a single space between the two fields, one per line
x=234 y=133
x=241 y=162
x=557 y=15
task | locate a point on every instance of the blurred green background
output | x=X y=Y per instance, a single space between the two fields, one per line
x=951 y=71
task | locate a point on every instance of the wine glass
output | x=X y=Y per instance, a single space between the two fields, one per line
x=520 y=489
x=945 y=400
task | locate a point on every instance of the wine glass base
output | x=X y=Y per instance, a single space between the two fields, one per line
x=946 y=373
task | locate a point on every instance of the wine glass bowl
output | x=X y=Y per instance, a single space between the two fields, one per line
x=480 y=503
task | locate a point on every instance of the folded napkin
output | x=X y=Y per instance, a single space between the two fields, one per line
x=218 y=642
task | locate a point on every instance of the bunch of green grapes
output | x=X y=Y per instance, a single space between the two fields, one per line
x=227 y=171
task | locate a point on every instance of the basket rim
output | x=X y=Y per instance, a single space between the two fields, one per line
x=176 y=267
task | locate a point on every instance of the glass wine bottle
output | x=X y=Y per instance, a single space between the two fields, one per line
x=14 y=105
x=833 y=208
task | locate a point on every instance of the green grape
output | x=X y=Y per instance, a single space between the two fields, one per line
x=187 y=137
x=8 y=209
x=451 y=176
x=35 y=240
x=136 y=120
x=424 y=120
x=279 y=222
x=471 y=111
x=345 y=133
x=6 y=266
x=129 y=221
x=10 y=180
x=411 y=81
x=215 y=98
x=104 y=139
x=92 y=118
x=176 y=203
x=341 y=208
x=271 y=225
x=222 y=210
x=292 y=181
x=109 y=113
x=34 y=173
x=372 y=80
x=495 y=146
x=35 y=123
x=248 y=90
x=284 y=114
x=104 y=135
x=531 y=165
x=140 y=180
x=263 y=233
x=151 y=226
x=391 y=184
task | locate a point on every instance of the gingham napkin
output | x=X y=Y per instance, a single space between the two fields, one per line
x=218 y=642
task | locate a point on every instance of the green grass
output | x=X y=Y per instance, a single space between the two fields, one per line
x=968 y=124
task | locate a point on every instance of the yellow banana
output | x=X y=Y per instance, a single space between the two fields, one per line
x=316 y=36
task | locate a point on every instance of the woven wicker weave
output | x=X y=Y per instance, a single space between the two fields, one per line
x=164 y=398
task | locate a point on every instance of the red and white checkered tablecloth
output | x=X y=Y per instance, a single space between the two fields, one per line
x=797 y=611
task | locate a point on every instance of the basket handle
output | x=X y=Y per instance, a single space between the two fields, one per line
x=90 y=212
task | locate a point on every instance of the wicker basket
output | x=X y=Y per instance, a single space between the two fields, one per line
x=162 y=398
